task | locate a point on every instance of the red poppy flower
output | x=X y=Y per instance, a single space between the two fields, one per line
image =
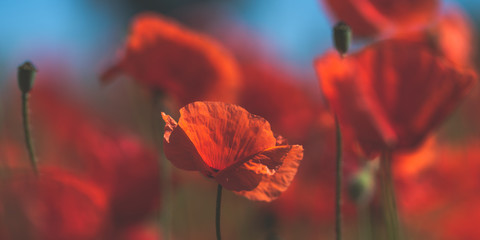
x=369 y=17
x=311 y=195
x=168 y=57
x=450 y=36
x=393 y=93
x=268 y=80
x=139 y=233
x=236 y=148
x=54 y=205
x=454 y=34
x=71 y=137
x=436 y=197
x=266 y=88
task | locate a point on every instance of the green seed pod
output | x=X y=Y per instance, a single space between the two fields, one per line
x=362 y=185
x=342 y=36
x=26 y=76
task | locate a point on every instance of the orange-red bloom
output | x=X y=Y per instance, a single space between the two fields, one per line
x=168 y=57
x=438 y=190
x=271 y=91
x=369 y=17
x=54 y=205
x=117 y=161
x=236 y=148
x=393 y=93
x=450 y=36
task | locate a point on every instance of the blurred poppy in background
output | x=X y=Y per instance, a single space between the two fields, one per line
x=114 y=159
x=413 y=63
x=431 y=197
x=392 y=94
x=169 y=58
x=375 y=17
x=54 y=205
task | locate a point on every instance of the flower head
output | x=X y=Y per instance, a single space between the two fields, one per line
x=53 y=205
x=236 y=148
x=103 y=152
x=167 y=57
x=370 y=17
x=393 y=93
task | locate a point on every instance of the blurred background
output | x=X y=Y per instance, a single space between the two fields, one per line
x=85 y=34
x=73 y=42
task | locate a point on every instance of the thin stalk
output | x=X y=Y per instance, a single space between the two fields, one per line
x=388 y=197
x=165 y=217
x=364 y=222
x=26 y=129
x=338 y=182
x=217 y=212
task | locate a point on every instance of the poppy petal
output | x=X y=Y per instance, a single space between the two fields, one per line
x=350 y=99
x=224 y=133
x=179 y=149
x=166 y=56
x=271 y=186
x=246 y=174
x=393 y=90
x=370 y=17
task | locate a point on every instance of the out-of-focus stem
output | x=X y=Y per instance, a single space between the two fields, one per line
x=388 y=197
x=364 y=222
x=217 y=212
x=165 y=217
x=26 y=129
x=338 y=182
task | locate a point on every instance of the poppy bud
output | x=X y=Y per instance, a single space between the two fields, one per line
x=342 y=36
x=361 y=186
x=26 y=76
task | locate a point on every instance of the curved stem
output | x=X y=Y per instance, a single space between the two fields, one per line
x=26 y=129
x=217 y=213
x=338 y=195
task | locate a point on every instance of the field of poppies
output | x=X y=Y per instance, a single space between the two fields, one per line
x=186 y=122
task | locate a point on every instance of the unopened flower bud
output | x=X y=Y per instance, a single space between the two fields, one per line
x=362 y=185
x=342 y=36
x=26 y=76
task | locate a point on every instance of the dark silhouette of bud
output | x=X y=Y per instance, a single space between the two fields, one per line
x=342 y=36
x=362 y=184
x=26 y=76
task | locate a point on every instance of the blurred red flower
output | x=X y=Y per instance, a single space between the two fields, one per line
x=370 y=17
x=391 y=94
x=312 y=193
x=118 y=162
x=438 y=188
x=55 y=205
x=286 y=96
x=455 y=36
x=139 y=233
x=276 y=94
x=236 y=148
x=451 y=36
x=170 y=58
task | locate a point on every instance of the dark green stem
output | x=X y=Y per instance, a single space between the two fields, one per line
x=388 y=195
x=217 y=213
x=338 y=182
x=26 y=129
x=364 y=222
x=165 y=217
